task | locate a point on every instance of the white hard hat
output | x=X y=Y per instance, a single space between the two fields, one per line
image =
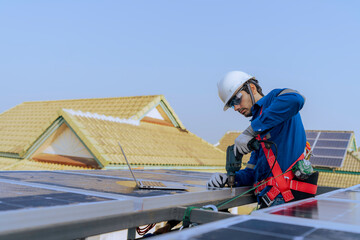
x=230 y=84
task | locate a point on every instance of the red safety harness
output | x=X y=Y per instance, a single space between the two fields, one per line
x=282 y=183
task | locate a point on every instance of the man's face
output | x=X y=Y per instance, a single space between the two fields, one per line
x=244 y=107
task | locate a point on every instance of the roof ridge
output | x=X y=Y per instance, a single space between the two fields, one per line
x=101 y=117
x=82 y=99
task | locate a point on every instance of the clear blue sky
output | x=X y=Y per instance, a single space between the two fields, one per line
x=53 y=50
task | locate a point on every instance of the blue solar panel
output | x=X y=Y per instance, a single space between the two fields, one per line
x=16 y=196
x=328 y=147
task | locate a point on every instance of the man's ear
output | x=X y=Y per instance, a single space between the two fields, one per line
x=253 y=88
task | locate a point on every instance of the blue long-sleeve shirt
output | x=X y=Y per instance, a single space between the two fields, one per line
x=276 y=116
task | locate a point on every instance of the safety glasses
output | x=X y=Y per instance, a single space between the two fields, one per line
x=236 y=100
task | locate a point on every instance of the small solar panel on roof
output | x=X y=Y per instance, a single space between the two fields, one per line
x=329 y=147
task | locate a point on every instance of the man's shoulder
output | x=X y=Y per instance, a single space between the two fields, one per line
x=276 y=91
x=273 y=94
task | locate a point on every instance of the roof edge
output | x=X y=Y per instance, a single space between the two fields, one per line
x=82 y=137
x=42 y=138
x=81 y=99
x=160 y=100
x=10 y=155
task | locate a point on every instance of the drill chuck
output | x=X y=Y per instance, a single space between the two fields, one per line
x=231 y=180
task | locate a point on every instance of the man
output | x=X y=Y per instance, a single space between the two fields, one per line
x=275 y=120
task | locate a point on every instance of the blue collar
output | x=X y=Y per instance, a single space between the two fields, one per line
x=256 y=107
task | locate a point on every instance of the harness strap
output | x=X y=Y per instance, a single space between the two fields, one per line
x=294 y=185
x=303 y=187
x=276 y=171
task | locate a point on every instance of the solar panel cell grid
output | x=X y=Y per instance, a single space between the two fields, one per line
x=332 y=144
x=325 y=161
x=333 y=135
x=329 y=152
x=311 y=135
x=14 y=196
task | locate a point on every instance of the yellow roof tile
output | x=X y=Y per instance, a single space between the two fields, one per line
x=144 y=144
x=23 y=124
x=338 y=180
x=351 y=163
x=6 y=162
x=29 y=165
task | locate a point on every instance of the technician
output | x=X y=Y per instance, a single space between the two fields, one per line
x=274 y=118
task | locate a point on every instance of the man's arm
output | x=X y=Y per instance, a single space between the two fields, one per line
x=286 y=105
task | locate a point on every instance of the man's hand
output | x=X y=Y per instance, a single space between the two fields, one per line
x=218 y=180
x=241 y=142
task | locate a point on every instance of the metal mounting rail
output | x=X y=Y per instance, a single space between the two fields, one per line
x=56 y=224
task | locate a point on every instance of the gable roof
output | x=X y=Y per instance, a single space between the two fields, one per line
x=26 y=122
x=144 y=143
x=146 y=126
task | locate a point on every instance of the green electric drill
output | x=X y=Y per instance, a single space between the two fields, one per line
x=233 y=163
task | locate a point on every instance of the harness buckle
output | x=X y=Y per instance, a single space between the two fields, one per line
x=267 y=200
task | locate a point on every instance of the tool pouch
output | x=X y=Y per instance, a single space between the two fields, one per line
x=312 y=179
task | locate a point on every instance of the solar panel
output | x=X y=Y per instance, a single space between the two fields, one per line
x=340 y=208
x=329 y=147
x=334 y=215
x=62 y=204
x=16 y=196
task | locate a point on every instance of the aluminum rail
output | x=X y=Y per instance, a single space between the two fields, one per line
x=80 y=221
x=84 y=220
